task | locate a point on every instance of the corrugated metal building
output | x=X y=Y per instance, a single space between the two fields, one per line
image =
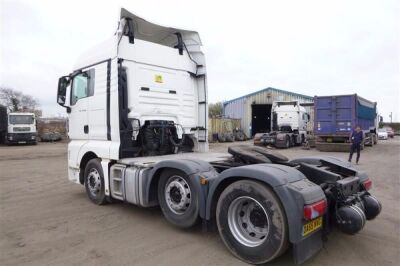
x=254 y=109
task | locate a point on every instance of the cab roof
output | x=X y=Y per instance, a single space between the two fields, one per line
x=143 y=30
x=148 y=31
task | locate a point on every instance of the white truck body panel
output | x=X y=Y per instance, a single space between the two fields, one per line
x=145 y=61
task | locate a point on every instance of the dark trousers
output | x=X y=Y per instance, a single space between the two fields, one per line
x=355 y=147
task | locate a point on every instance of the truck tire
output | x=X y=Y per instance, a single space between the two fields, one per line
x=221 y=137
x=178 y=199
x=287 y=142
x=229 y=137
x=94 y=182
x=251 y=222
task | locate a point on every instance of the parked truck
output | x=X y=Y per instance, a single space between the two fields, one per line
x=337 y=116
x=289 y=124
x=3 y=123
x=17 y=128
x=137 y=107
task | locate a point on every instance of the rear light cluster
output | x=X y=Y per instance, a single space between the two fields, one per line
x=314 y=210
x=367 y=184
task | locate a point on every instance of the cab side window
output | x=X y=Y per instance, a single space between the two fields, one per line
x=82 y=86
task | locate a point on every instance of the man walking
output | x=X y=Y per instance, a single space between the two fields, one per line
x=356 y=139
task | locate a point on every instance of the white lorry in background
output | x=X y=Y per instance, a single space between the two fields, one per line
x=21 y=128
x=138 y=108
x=289 y=124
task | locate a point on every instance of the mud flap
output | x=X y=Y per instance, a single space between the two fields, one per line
x=307 y=247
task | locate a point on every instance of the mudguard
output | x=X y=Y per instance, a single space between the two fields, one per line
x=290 y=185
x=186 y=165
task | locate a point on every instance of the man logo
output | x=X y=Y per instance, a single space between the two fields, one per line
x=158 y=79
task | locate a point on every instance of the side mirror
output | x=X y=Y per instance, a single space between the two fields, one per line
x=63 y=83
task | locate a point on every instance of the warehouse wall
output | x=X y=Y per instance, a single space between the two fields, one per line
x=240 y=108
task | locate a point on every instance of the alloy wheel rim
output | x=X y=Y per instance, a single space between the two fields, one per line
x=248 y=221
x=177 y=194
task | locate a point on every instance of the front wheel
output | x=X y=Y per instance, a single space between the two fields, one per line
x=178 y=198
x=94 y=182
x=251 y=222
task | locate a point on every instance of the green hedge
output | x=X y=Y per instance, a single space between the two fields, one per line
x=395 y=126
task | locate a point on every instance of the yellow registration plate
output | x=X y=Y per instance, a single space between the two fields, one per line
x=312 y=226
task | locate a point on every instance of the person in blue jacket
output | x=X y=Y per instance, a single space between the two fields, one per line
x=356 y=139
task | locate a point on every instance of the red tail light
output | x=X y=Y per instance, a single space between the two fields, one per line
x=314 y=210
x=367 y=184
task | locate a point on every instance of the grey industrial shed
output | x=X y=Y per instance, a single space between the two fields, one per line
x=254 y=109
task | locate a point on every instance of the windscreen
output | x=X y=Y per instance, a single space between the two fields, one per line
x=21 y=119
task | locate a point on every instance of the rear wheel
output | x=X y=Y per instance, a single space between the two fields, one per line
x=178 y=198
x=94 y=182
x=252 y=222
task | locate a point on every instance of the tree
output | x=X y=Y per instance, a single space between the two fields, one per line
x=215 y=109
x=17 y=101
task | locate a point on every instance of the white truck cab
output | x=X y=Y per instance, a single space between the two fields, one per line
x=141 y=92
x=289 y=123
x=21 y=128
x=290 y=114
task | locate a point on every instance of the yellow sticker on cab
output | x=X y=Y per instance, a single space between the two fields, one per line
x=158 y=79
x=312 y=226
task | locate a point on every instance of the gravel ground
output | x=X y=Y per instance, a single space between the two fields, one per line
x=45 y=220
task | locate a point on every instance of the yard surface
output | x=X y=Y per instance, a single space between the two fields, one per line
x=45 y=220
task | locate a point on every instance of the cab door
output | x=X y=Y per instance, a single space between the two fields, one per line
x=79 y=103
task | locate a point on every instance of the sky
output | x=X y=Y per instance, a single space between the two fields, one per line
x=308 y=47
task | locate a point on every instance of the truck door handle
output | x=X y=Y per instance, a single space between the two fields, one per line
x=86 y=129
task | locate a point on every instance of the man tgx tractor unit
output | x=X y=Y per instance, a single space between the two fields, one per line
x=289 y=121
x=137 y=108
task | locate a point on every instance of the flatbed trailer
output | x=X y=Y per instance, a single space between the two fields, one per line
x=137 y=107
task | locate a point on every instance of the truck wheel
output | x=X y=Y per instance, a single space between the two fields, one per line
x=287 y=143
x=94 y=182
x=251 y=222
x=178 y=198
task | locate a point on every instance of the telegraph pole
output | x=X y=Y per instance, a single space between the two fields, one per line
x=391 y=116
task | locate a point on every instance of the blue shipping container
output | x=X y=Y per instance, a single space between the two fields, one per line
x=338 y=115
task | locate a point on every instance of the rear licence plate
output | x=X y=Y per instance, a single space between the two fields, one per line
x=312 y=226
